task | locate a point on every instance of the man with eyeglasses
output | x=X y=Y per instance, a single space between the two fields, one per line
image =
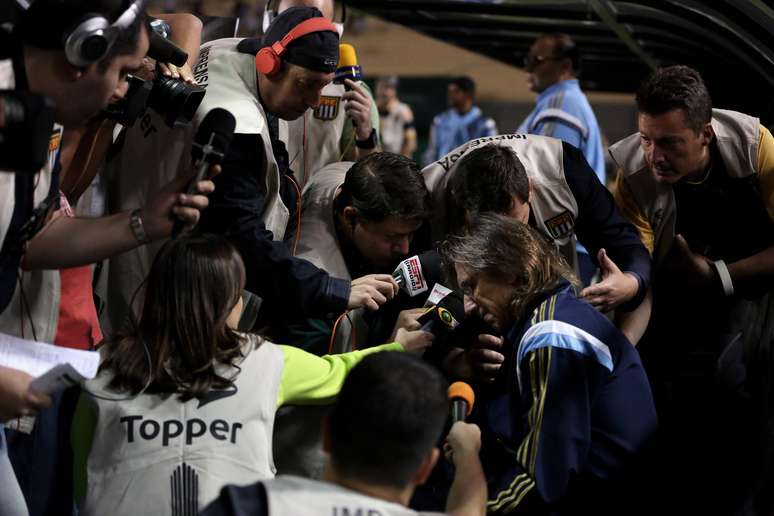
x=562 y=110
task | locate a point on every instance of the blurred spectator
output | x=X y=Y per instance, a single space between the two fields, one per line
x=459 y=124
x=396 y=118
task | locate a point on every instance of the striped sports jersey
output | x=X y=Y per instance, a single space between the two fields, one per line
x=575 y=409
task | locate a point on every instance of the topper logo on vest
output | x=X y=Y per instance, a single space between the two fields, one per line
x=150 y=429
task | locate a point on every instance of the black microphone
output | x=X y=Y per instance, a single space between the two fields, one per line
x=445 y=316
x=164 y=51
x=462 y=398
x=209 y=147
x=416 y=274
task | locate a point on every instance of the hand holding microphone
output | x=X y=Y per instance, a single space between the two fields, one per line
x=371 y=291
x=464 y=440
x=208 y=149
x=357 y=101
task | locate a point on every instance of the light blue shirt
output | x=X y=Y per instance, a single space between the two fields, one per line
x=563 y=112
x=450 y=130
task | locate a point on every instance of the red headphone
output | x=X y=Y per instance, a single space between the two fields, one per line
x=269 y=59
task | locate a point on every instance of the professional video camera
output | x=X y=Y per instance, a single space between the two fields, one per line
x=174 y=99
x=26 y=120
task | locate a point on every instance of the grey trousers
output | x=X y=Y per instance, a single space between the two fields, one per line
x=11 y=498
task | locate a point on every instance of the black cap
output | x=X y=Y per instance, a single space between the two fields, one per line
x=318 y=51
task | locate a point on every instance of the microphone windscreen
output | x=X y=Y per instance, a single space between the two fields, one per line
x=347 y=55
x=164 y=51
x=419 y=272
x=462 y=391
x=348 y=67
x=431 y=266
x=217 y=130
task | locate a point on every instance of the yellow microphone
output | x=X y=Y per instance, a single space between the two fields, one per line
x=348 y=67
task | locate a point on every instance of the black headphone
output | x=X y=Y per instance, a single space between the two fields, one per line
x=94 y=36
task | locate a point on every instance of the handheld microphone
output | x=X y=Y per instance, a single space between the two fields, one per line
x=462 y=397
x=209 y=147
x=164 y=51
x=348 y=67
x=415 y=275
x=445 y=316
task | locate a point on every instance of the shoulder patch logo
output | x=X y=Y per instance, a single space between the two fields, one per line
x=560 y=226
x=328 y=109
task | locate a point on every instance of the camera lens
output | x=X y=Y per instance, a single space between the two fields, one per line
x=175 y=100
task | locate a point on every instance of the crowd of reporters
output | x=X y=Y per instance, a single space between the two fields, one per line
x=279 y=303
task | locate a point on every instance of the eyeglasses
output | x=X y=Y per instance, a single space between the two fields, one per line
x=532 y=61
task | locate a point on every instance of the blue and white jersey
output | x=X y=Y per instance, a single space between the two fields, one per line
x=578 y=406
x=451 y=130
x=563 y=111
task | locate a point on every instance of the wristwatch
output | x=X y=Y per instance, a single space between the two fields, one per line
x=368 y=143
x=138 y=230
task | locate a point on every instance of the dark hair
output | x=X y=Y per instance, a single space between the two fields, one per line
x=193 y=285
x=47 y=23
x=465 y=84
x=487 y=178
x=388 y=416
x=676 y=87
x=564 y=47
x=510 y=252
x=385 y=185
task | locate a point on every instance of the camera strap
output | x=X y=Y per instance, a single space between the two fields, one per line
x=26 y=221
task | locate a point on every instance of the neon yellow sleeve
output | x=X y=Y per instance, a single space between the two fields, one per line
x=81 y=436
x=766 y=169
x=311 y=380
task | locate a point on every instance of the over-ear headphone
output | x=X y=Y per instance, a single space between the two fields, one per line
x=93 y=37
x=268 y=60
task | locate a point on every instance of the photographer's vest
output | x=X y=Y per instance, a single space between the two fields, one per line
x=37 y=301
x=319 y=244
x=154 y=455
x=153 y=154
x=303 y=497
x=553 y=205
x=314 y=139
x=737 y=137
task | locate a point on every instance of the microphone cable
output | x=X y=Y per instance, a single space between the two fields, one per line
x=353 y=334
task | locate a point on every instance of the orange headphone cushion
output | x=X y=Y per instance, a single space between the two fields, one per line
x=267 y=62
x=268 y=59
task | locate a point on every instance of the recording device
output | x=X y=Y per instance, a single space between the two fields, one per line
x=26 y=121
x=127 y=110
x=415 y=275
x=348 y=67
x=174 y=99
x=444 y=317
x=462 y=398
x=209 y=147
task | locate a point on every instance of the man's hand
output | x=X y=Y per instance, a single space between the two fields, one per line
x=357 y=106
x=695 y=270
x=463 y=441
x=16 y=399
x=615 y=288
x=407 y=320
x=481 y=362
x=372 y=291
x=414 y=341
x=183 y=73
x=170 y=204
